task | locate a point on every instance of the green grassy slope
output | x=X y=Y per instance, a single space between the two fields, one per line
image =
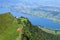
x=9 y=25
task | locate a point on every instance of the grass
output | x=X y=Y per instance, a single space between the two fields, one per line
x=8 y=27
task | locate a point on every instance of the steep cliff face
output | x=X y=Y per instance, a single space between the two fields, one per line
x=12 y=28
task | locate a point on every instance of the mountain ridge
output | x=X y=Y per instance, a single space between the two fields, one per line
x=9 y=25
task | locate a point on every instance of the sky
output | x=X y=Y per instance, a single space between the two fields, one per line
x=30 y=2
x=34 y=3
x=6 y=5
